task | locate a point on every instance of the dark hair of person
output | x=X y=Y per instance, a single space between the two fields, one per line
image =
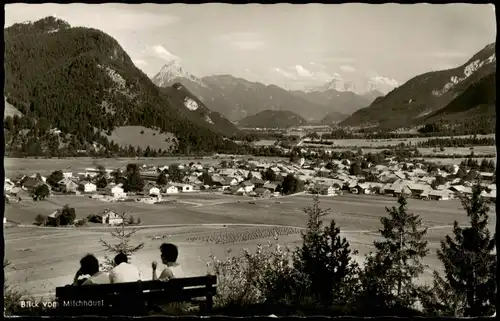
x=121 y=258
x=169 y=252
x=89 y=264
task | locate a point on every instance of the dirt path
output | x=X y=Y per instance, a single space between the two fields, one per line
x=254 y=199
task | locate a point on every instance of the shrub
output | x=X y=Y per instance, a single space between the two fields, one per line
x=131 y=220
x=11 y=295
x=40 y=220
x=249 y=278
x=67 y=216
x=81 y=222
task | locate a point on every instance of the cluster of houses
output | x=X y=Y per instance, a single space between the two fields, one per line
x=245 y=177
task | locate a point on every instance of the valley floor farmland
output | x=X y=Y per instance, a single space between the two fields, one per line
x=392 y=142
x=43 y=258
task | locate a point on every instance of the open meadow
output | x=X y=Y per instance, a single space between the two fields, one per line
x=201 y=224
x=463 y=151
x=453 y=161
x=390 y=142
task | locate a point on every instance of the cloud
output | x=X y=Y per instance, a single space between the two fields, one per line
x=158 y=51
x=323 y=76
x=284 y=73
x=303 y=72
x=312 y=63
x=347 y=68
x=247 y=45
x=140 y=62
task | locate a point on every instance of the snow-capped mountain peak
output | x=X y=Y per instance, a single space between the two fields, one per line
x=382 y=84
x=360 y=85
x=172 y=71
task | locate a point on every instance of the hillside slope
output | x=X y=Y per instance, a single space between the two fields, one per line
x=81 y=81
x=476 y=105
x=272 y=119
x=424 y=94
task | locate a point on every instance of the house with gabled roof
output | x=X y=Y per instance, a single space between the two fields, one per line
x=111 y=217
x=248 y=186
x=87 y=187
x=67 y=185
x=170 y=189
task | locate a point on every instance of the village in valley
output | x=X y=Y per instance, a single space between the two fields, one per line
x=154 y=184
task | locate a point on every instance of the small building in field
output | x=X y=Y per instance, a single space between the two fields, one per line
x=87 y=187
x=323 y=189
x=154 y=191
x=263 y=192
x=183 y=187
x=171 y=189
x=236 y=190
x=248 y=186
x=364 y=188
x=67 y=186
x=116 y=191
x=111 y=217
x=440 y=195
x=53 y=218
x=271 y=187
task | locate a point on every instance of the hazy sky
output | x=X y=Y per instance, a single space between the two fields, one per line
x=285 y=43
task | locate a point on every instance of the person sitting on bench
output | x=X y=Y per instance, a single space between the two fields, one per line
x=123 y=271
x=169 y=254
x=89 y=265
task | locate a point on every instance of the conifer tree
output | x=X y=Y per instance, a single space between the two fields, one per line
x=398 y=258
x=123 y=245
x=324 y=260
x=468 y=287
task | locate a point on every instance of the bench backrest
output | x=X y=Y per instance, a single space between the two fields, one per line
x=134 y=295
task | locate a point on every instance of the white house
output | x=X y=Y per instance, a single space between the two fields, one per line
x=248 y=186
x=171 y=189
x=67 y=174
x=154 y=191
x=8 y=185
x=111 y=217
x=183 y=187
x=118 y=192
x=88 y=187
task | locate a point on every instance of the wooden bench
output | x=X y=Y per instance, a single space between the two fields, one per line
x=134 y=298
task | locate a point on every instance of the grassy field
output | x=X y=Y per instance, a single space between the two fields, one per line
x=387 y=142
x=451 y=161
x=44 y=258
x=131 y=135
x=265 y=142
x=463 y=151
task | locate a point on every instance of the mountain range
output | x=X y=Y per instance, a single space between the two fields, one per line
x=444 y=96
x=237 y=98
x=81 y=81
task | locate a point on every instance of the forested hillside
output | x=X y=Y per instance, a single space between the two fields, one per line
x=272 y=119
x=426 y=94
x=81 y=82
